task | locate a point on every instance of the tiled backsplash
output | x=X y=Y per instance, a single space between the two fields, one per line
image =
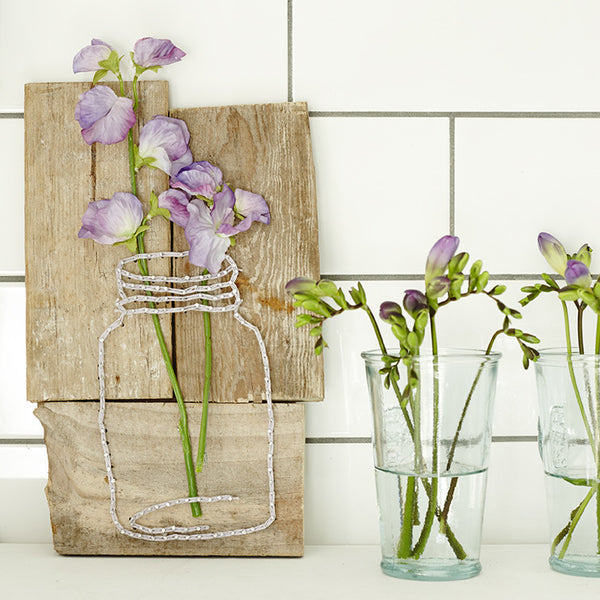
x=480 y=119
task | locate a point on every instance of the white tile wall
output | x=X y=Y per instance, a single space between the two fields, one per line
x=411 y=141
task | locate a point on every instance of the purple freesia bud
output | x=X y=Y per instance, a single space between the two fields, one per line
x=199 y=179
x=300 y=285
x=103 y=116
x=577 y=274
x=553 y=251
x=414 y=302
x=176 y=202
x=112 y=221
x=389 y=311
x=252 y=207
x=87 y=58
x=166 y=141
x=439 y=257
x=206 y=230
x=437 y=287
x=152 y=52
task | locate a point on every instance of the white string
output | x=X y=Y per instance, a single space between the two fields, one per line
x=211 y=290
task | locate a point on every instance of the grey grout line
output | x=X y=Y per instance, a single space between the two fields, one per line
x=290 y=50
x=308 y=440
x=12 y=278
x=419 y=276
x=451 y=183
x=453 y=114
x=15 y=115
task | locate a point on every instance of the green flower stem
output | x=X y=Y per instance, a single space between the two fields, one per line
x=406 y=532
x=183 y=422
x=575 y=517
x=206 y=388
x=452 y=540
x=580 y=309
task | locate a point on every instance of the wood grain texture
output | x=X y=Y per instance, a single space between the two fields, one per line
x=70 y=282
x=147 y=462
x=266 y=149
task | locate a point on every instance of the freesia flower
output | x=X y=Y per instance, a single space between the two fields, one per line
x=103 y=116
x=439 y=257
x=437 y=287
x=577 y=274
x=414 y=302
x=389 y=311
x=299 y=285
x=112 y=221
x=176 y=202
x=166 y=141
x=252 y=207
x=87 y=58
x=584 y=254
x=553 y=251
x=208 y=230
x=152 y=52
x=199 y=179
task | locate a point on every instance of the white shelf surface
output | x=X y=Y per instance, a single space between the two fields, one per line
x=325 y=572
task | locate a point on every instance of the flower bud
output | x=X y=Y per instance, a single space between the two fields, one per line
x=414 y=302
x=553 y=251
x=584 y=254
x=438 y=287
x=300 y=285
x=439 y=257
x=578 y=274
x=390 y=311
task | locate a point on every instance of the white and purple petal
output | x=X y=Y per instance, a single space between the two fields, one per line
x=199 y=179
x=176 y=202
x=112 y=221
x=152 y=52
x=577 y=274
x=207 y=248
x=167 y=141
x=439 y=256
x=553 y=251
x=87 y=58
x=252 y=206
x=103 y=116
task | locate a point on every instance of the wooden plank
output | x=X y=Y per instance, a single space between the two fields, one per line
x=70 y=282
x=147 y=461
x=266 y=149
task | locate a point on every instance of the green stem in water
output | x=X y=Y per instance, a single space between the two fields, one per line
x=580 y=309
x=576 y=515
x=206 y=388
x=405 y=543
x=183 y=423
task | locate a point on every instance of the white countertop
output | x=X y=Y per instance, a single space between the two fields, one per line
x=33 y=571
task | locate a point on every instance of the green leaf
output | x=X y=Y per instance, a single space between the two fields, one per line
x=550 y=281
x=98 y=75
x=306 y=319
x=316 y=331
x=111 y=63
x=157 y=211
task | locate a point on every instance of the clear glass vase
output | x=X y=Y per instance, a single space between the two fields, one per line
x=431 y=457
x=569 y=441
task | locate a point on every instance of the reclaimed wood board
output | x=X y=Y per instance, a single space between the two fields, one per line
x=264 y=148
x=70 y=283
x=71 y=286
x=148 y=466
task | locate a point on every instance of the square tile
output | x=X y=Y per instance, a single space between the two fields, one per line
x=236 y=51
x=518 y=177
x=382 y=185
x=439 y=55
x=12 y=150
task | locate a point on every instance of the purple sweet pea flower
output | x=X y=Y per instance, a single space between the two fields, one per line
x=252 y=207
x=577 y=274
x=208 y=230
x=414 y=302
x=87 y=58
x=112 y=221
x=176 y=202
x=199 y=179
x=439 y=257
x=166 y=140
x=103 y=116
x=152 y=52
x=553 y=251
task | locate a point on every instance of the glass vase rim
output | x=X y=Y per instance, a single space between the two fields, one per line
x=559 y=354
x=445 y=354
